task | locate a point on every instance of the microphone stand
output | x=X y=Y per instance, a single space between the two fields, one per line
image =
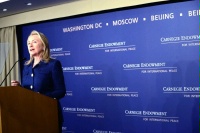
x=10 y=71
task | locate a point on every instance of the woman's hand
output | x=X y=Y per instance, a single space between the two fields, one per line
x=15 y=83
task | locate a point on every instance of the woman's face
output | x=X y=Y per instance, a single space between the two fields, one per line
x=35 y=46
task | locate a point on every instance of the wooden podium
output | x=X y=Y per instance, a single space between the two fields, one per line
x=25 y=111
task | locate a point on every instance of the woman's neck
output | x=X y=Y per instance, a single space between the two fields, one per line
x=36 y=61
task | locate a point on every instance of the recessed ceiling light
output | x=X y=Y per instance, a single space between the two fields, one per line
x=1 y=1
x=4 y=10
x=29 y=4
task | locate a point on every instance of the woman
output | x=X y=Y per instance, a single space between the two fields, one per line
x=41 y=73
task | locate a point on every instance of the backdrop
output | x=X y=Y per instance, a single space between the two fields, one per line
x=132 y=70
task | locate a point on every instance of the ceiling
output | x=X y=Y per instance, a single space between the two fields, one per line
x=20 y=6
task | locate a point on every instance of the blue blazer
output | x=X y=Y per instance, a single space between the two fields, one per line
x=45 y=78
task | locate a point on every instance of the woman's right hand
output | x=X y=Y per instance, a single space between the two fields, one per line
x=15 y=83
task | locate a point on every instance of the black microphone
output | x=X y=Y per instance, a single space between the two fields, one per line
x=11 y=69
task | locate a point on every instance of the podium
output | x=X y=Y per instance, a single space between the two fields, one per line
x=25 y=111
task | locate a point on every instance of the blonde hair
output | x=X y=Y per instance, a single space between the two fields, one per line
x=46 y=51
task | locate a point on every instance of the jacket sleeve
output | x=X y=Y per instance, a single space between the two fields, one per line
x=59 y=88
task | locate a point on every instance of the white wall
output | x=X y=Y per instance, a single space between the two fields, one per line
x=68 y=9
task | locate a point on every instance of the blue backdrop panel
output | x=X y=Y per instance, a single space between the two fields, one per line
x=128 y=71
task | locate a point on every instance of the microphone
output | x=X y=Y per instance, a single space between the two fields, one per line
x=11 y=69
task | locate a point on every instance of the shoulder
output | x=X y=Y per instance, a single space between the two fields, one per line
x=54 y=61
x=27 y=66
